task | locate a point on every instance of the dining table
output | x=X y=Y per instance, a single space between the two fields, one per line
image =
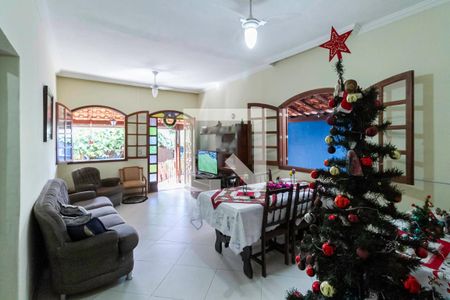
x=237 y=219
x=236 y=214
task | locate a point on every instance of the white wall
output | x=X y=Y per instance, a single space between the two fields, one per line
x=76 y=92
x=23 y=26
x=9 y=170
x=420 y=42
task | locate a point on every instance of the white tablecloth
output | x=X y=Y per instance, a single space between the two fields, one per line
x=242 y=222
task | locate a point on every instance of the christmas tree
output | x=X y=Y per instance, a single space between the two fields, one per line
x=354 y=247
x=425 y=226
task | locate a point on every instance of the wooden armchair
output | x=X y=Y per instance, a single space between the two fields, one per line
x=132 y=179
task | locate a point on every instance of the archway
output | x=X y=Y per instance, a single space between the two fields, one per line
x=170 y=150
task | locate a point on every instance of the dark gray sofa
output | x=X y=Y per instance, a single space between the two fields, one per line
x=87 y=264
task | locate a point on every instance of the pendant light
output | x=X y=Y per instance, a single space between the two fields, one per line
x=250 y=26
x=155 y=87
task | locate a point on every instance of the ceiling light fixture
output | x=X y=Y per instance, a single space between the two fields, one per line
x=155 y=87
x=250 y=26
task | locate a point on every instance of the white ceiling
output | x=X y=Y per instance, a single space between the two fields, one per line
x=193 y=43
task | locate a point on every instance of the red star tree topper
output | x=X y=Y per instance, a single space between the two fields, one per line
x=336 y=44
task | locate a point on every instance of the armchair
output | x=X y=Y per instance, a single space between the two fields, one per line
x=132 y=179
x=88 y=179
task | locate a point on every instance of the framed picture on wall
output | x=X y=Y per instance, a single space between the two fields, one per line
x=48 y=114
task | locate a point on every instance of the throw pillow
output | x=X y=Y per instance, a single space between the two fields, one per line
x=82 y=231
x=72 y=210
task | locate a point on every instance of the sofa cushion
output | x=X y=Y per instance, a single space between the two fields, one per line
x=128 y=237
x=109 y=190
x=113 y=181
x=102 y=211
x=95 y=203
x=112 y=220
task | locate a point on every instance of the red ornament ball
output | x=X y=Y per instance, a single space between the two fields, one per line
x=314 y=174
x=412 y=285
x=316 y=287
x=378 y=104
x=421 y=252
x=332 y=217
x=341 y=201
x=297 y=259
x=352 y=218
x=310 y=271
x=331 y=103
x=372 y=131
x=297 y=294
x=331 y=120
x=362 y=253
x=327 y=249
x=366 y=161
x=326 y=162
x=312 y=185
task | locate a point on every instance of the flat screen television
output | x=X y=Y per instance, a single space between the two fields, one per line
x=207 y=162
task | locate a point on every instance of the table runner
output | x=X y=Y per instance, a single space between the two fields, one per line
x=236 y=195
x=435 y=269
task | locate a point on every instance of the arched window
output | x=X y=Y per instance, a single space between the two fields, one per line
x=98 y=134
x=304 y=127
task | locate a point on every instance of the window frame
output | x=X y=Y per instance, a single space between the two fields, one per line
x=283 y=125
x=125 y=137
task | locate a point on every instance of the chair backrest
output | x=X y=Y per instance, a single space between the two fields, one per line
x=277 y=207
x=131 y=173
x=85 y=176
x=232 y=181
x=303 y=201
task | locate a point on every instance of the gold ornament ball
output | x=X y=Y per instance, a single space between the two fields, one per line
x=352 y=98
x=327 y=289
x=329 y=139
x=395 y=154
x=334 y=171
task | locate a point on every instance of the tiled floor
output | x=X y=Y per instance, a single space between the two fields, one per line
x=175 y=261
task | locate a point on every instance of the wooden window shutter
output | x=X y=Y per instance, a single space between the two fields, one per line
x=264 y=142
x=397 y=95
x=136 y=134
x=63 y=134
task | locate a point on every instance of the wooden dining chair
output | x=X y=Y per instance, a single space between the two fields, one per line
x=302 y=204
x=232 y=181
x=275 y=223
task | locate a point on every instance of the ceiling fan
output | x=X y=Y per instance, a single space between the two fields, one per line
x=251 y=26
x=155 y=87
